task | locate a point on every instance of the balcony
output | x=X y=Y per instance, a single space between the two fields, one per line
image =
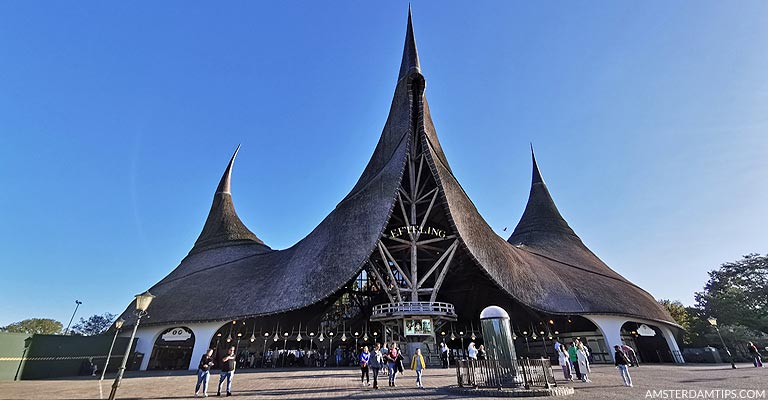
x=409 y=309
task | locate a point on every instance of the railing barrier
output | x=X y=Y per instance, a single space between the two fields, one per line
x=523 y=372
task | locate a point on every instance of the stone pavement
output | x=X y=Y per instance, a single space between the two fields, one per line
x=345 y=384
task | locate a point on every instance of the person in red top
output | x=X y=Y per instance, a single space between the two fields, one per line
x=392 y=363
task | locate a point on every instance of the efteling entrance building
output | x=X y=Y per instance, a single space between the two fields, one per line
x=404 y=257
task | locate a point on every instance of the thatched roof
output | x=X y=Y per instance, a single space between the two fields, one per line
x=231 y=274
x=223 y=227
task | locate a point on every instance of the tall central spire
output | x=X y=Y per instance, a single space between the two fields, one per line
x=410 y=55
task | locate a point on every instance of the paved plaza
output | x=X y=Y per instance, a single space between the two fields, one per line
x=345 y=384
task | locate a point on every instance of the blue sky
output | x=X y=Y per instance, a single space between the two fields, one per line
x=117 y=119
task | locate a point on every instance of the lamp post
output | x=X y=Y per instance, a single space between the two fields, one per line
x=311 y=339
x=319 y=354
x=142 y=303
x=527 y=346
x=285 y=349
x=277 y=349
x=118 y=324
x=77 y=304
x=264 y=353
x=713 y=321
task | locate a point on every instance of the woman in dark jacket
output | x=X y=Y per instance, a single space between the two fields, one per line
x=622 y=362
x=204 y=372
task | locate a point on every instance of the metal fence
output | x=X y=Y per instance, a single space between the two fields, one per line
x=523 y=372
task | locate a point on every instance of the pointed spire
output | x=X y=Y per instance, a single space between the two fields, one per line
x=536 y=174
x=541 y=216
x=225 y=185
x=223 y=227
x=410 y=55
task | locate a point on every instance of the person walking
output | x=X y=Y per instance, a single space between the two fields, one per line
x=622 y=362
x=418 y=365
x=339 y=353
x=392 y=356
x=375 y=364
x=228 y=364
x=565 y=362
x=365 y=359
x=472 y=352
x=481 y=355
x=444 y=354
x=384 y=352
x=755 y=354
x=204 y=372
x=583 y=360
x=573 y=355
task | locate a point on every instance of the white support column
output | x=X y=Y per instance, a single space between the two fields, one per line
x=677 y=355
x=610 y=328
x=203 y=334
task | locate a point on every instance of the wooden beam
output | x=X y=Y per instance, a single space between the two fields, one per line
x=449 y=237
x=421 y=198
x=443 y=273
x=381 y=281
x=407 y=281
x=417 y=189
x=426 y=215
x=389 y=271
x=437 y=263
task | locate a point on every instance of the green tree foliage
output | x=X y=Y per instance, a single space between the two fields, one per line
x=94 y=325
x=737 y=293
x=43 y=326
x=682 y=316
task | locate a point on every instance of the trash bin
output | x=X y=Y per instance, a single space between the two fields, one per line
x=134 y=361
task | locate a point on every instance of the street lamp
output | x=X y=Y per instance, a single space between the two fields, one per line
x=142 y=303
x=264 y=353
x=311 y=339
x=77 y=304
x=285 y=349
x=118 y=324
x=713 y=321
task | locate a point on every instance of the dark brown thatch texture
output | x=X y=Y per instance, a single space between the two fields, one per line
x=231 y=274
x=223 y=227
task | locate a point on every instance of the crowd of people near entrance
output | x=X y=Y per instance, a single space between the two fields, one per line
x=574 y=358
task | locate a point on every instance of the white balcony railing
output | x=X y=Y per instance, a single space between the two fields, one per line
x=413 y=308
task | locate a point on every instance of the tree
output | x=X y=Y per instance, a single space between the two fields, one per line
x=681 y=315
x=44 y=326
x=737 y=293
x=94 y=325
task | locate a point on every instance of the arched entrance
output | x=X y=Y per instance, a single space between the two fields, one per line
x=648 y=342
x=173 y=349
